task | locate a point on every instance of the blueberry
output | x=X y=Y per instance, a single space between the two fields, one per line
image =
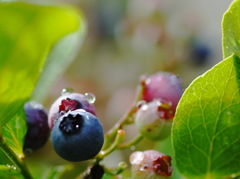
x=68 y=102
x=94 y=172
x=37 y=123
x=199 y=52
x=150 y=164
x=162 y=85
x=154 y=119
x=77 y=136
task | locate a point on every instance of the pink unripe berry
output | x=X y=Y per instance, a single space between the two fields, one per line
x=150 y=164
x=162 y=85
x=154 y=119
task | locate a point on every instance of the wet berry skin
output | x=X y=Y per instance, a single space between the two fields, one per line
x=150 y=164
x=68 y=102
x=77 y=136
x=162 y=85
x=37 y=123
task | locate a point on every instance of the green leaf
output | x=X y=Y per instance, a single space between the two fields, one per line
x=10 y=172
x=230 y=30
x=28 y=33
x=14 y=132
x=206 y=128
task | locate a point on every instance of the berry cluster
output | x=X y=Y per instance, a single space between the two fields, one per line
x=77 y=134
x=161 y=93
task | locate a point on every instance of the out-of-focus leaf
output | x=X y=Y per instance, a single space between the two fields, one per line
x=28 y=33
x=58 y=60
x=206 y=128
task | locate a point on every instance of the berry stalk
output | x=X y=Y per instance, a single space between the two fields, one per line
x=127 y=119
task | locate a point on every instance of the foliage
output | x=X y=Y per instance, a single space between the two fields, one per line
x=205 y=133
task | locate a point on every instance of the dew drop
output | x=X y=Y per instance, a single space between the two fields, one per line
x=66 y=91
x=144 y=107
x=136 y=157
x=90 y=97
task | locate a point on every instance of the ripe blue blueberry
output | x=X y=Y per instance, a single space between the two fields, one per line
x=77 y=136
x=37 y=123
x=69 y=102
x=200 y=52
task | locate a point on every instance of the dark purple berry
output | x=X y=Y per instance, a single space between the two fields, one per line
x=77 y=136
x=37 y=126
x=94 y=172
x=69 y=102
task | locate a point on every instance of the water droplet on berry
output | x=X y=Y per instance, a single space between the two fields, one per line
x=144 y=107
x=66 y=91
x=136 y=158
x=90 y=97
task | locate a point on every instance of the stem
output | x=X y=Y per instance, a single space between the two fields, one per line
x=127 y=119
x=111 y=134
x=130 y=143
x=117 y=171
x=16 y=159
x=118 y=140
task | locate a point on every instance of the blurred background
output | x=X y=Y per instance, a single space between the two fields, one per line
x=128 y=38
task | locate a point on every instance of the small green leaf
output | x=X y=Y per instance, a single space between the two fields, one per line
x=230 y=30
x=14 y=132
x=28 y=33
x=206 y=128
x=10 y=172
